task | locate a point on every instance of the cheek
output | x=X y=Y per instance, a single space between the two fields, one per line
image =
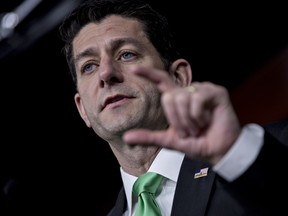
x=152 y=93
x=89 y=97
x=87 y=87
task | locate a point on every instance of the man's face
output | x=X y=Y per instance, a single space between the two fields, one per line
x=111 y=100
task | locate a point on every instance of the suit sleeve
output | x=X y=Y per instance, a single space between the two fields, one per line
x=263 y=186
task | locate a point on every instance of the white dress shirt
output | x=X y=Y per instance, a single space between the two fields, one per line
x=168 y=163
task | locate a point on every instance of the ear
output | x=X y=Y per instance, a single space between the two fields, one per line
x=181 y=72
x=81 y=109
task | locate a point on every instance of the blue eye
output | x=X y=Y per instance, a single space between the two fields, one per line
x=88 y=68
x=127 y=55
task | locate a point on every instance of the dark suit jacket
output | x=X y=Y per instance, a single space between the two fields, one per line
x=261 y=190
x=49 y=189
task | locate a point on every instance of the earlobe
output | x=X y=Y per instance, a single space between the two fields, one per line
x=81 y=109
x=181 y=72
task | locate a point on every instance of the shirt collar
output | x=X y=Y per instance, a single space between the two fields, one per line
x=167 y=163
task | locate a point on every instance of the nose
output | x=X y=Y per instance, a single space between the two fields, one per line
x=110 y=73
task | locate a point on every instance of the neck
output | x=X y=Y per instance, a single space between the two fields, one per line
x=136 y=159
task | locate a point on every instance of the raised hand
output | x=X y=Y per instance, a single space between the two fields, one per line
x=202 y=121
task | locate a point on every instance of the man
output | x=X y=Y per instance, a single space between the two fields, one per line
x=136 y=92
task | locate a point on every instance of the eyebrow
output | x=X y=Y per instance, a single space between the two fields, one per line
x=114 y=44
x=85 y=53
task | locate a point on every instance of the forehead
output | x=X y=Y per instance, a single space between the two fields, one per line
x=108 y=29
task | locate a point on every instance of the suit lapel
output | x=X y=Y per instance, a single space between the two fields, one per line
x=192 y=194
x=120 y=205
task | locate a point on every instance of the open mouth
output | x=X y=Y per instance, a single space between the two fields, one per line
x=114 y=99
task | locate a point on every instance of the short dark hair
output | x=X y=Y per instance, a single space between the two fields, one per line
x=154 y=24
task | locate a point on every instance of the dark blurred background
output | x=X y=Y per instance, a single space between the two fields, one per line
x=45 y=145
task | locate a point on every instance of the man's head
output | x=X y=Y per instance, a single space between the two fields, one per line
x=154 y=25
x=106 y=41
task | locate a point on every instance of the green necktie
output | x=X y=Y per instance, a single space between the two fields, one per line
x=145 y=187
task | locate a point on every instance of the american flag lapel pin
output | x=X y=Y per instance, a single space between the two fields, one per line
x=201 y=173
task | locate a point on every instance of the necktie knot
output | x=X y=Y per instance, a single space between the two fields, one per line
x=145 y=187
x=149 y=182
